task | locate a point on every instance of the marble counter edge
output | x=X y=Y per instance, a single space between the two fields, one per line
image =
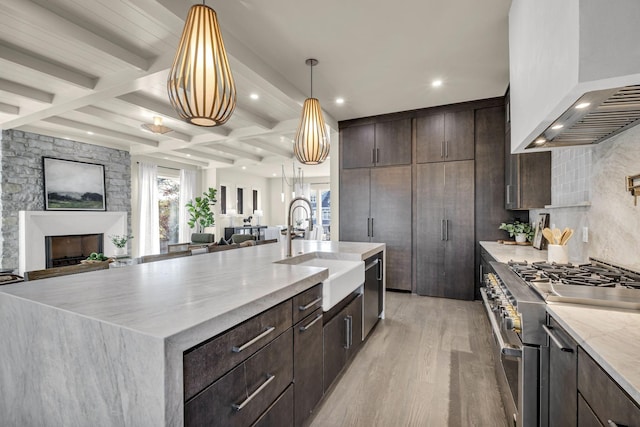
x=629 y=388
x=505 y=253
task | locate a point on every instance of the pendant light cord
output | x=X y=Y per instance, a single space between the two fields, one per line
x=312 y=80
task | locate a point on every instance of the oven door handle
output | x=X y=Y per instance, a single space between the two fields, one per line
x=506 y=349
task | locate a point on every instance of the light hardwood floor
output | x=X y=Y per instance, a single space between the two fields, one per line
x=428 y=363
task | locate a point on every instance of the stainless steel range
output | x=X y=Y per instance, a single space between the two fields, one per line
x=515 y=295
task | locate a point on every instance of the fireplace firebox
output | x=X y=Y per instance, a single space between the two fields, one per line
x=61 y=251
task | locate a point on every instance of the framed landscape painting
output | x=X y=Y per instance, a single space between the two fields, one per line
x=73 y=186
x=538 y=241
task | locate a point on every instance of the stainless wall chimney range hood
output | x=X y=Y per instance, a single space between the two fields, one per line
x=593 y=118
x=574 y=71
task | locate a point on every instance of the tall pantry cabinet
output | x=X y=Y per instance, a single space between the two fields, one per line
x=411 y=180
x=375 y=193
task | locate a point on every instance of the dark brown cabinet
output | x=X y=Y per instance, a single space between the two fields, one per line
x=608 y=402
x=307 y=365
x=375 y=205
x=445 y=229
x=527 y=176
x=445 y=137
x=373 y=292
x=280 y=413
x=342 y=336
x=586 y=417
x=563 y=376
x=378 y=144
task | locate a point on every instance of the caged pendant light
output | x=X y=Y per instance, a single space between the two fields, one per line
x=311 y=142
x=200 y=84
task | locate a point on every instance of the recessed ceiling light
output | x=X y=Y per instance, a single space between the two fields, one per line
x=540 y=141
x=274 y=174
x=244 y=167
x=436 y=83
x=254 y=96
x=583 y=105
x=188 y=155
x=339 y=100
x=558 y=126
x=166 y=158
x=89 y=133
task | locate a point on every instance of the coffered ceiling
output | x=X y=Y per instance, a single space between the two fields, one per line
x=95 y=70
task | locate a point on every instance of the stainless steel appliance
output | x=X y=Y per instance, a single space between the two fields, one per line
x=515 y=295
x=373 y=293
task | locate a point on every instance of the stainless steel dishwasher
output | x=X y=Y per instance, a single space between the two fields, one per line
x=373 y=293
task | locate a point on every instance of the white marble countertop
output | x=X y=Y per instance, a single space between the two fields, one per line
x=506 y=253
x=165 y=298
x=610 y=337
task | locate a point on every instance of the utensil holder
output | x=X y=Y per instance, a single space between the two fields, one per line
x=558 y=254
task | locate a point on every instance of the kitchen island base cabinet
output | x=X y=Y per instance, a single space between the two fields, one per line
x=307 y=365
x=279 y=414
x=242 y=395
x=342 y=338
x=563 y=374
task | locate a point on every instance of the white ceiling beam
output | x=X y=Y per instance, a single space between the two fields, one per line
x=203 y=155
x=55 y=23
x=237 y=152
x=26 y=91
x=254 y=118
x=270 y=148
x=25 y=59
x=9 y=109
x=100 y=130
x=75 y=135
x=180 y=159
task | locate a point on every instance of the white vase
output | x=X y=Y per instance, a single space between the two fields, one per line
x=120 y=251
x=521 y=238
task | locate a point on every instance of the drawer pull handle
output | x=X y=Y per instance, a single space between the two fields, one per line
x=304 y=328
x=311 y=304
x=614 y=424
x=253 y=341
x=555 y=340
x=239 y=407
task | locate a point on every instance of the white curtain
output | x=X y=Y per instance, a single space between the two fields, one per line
x=187 y=192
x=149 y=233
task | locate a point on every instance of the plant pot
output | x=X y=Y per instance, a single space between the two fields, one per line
x=120 y=251
x=203 y=238
x=521 y=238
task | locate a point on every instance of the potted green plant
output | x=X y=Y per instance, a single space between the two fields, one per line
x=201 y=216
x=522 y=231
x=120 y=242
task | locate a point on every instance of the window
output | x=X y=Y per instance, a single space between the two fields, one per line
x=168 y=205
x=223 y=199
x=240 y=200
x=255 y=201
x=321 y=210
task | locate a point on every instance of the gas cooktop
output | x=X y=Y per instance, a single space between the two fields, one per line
x=596 y=283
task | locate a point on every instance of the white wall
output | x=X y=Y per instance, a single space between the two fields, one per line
x=234 y=180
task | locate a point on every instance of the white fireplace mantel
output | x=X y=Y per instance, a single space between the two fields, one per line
x=35 y=225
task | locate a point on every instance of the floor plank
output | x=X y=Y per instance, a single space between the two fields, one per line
x=428 y=363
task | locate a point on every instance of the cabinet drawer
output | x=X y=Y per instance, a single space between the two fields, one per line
x=239 y=397
x=607 y=400
x=586 y=417
x=207 y=362
x=305 y=303
x=279 y=414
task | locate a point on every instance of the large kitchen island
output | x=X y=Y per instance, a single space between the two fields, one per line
x=107 y=347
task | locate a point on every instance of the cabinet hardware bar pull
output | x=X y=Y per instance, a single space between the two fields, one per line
x=373 y=156
x=506 y=349
x=238 y=407
x=368 y=227
x=350 y=338
x=311 y=304
x=380 y=269
x=253 y=341
x=613 y=424
x=371 y=227
x=555 y=339
x=346 y=332
x=446 y=149
x=377 y=155
x=304 y=328
x=446 y=229
x=509 y=194
x=442 y=229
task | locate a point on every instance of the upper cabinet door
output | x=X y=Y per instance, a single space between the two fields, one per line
x=358 y=143
x=459 y=136
x=445 y=137
x=430 y=138
x=393 y=143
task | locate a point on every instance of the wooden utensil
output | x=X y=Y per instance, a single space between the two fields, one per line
x=546 y=232
x=557 y=235
x=566 y=236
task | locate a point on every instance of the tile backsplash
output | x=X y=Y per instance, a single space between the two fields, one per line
x=596 y=174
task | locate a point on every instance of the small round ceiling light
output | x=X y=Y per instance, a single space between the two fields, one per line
x=254 y=96
x=436 y=83
x=556 y=127
x=339 y=101
x=311 y=144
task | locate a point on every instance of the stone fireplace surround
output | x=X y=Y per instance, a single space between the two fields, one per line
x=35 y=225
